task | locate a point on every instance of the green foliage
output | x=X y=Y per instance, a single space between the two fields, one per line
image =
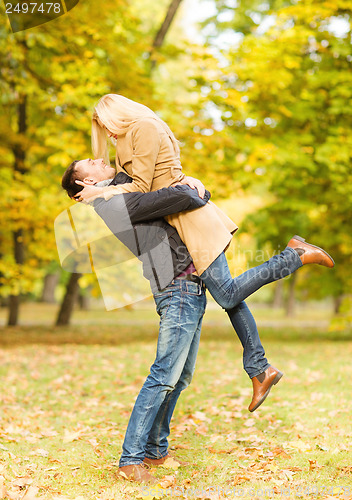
x=244 y=16
x=59 y=69
x=285 y=98
x=273 y=112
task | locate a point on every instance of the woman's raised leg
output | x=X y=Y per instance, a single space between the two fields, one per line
x=229 y=292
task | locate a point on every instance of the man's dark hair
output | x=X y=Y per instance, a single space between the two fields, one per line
x=69 y=178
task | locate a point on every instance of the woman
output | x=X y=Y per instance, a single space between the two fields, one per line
x=149 y=152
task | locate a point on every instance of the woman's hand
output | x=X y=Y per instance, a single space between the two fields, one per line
x=89 y=192
x=194 y=184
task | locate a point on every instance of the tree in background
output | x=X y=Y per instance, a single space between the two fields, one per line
x=50 y=78
x=285 y=97
x=271 y=113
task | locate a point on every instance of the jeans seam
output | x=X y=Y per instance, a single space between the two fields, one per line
x=247 y=328
x=161 y=421
x=141 y=424
x=168 y=305
x=159 y=430
x=178 y=322
x=250 y=340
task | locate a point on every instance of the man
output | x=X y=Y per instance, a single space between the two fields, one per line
x=164 y=257
x=180 y=301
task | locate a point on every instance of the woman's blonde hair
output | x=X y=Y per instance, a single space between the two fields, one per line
x=116 y=114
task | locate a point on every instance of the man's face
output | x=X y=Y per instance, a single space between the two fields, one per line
x=93 y=171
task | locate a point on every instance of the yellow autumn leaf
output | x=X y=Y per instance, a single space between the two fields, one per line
x=300 y=445
x=170 y=463
x=71 y=436
x=167 y=481
x=122 y=474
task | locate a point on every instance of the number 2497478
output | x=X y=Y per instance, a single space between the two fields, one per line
x=33 y=8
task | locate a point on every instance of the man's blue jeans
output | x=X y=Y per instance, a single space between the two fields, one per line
x=181 y=307
x=230 y=293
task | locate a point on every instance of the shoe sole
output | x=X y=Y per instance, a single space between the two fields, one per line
x=299 y=238
x=275 y=381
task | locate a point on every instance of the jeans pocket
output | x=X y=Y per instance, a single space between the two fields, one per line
x=162 y=301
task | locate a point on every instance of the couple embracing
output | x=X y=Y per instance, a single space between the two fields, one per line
x=161 y=204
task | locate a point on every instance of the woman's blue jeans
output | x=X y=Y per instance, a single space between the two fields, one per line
x=230 y=293
x=181 y=307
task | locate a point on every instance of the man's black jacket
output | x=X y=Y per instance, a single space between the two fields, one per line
x=136 y=219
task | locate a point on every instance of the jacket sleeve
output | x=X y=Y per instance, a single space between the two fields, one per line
x=167 y=201
x=146 y=146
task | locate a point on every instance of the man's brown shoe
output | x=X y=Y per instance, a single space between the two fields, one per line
x=154 y=462
x=310 y=254
x=262 y=384
x=138 y=473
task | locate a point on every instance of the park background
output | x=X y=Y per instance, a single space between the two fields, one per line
x=259 y=95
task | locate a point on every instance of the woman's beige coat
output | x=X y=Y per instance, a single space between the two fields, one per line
x=147 y=154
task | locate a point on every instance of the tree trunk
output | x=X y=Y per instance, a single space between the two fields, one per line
x=83 y=301
x=20 y=156
x=71 y=296
x=14 y=306
x=49 y=285
x=3 y=300
x=278 y=300
x=164 y=28
x=338 y=303
x=291 y=301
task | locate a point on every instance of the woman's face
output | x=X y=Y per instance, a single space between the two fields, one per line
x=109 y=134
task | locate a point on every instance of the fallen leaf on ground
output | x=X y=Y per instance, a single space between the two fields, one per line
x=181 y=447
x=71 y=436
x=40 y=452
x=240 y=479
x=3 y=492
x=213 y=450
x=313 y=465
x=22 y=481
x=31 y=493
x=93 y=442
x=167 y=481
x=210 y=468
x=199 y=415
x=300 y=445
x=280 y=452
x=170 y=463
x=322 y=447
x=289 y=474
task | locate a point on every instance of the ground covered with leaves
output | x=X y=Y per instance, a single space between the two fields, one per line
x=66 y=396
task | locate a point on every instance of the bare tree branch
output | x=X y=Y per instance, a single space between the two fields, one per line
x=164 y=28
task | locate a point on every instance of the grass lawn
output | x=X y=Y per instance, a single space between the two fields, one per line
x=66 y=396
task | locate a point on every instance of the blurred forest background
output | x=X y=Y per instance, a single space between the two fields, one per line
x=259 y=95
